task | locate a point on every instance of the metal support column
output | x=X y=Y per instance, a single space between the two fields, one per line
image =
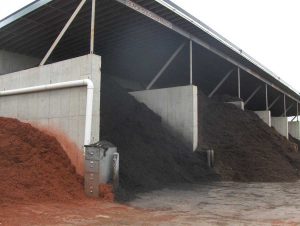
x=267 y=99
x=191 y=62
x=239 y=82
x=166 y=65
x=220 y=83
x=284 y=105
x=287 y=109
x=252 y=95
x=63 y=31
x=297 y=111
x=92 y=40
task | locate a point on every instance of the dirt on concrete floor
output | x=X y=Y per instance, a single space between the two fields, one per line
x=86 y=212
x=213 y=203
x=227 y=203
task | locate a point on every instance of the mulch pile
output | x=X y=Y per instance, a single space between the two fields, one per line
x=246 y=149
x=150 y=157
x=34 y=166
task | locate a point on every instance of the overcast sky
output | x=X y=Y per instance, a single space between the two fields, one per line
x=268 y=30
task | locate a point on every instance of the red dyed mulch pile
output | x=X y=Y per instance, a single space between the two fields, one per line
x=34 y=166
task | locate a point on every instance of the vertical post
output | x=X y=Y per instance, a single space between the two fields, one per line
x=92 y=42
x=191 y=62
x=267 y=100
x=239 y=82
x=297 y=111
x=284 y=105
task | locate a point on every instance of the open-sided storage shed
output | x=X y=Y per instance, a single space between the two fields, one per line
x=145 y=44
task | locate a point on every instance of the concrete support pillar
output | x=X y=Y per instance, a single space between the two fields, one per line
x=265 y=116
x=281 y=125
x=294 y=129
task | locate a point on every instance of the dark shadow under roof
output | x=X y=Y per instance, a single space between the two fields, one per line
x=120 y=31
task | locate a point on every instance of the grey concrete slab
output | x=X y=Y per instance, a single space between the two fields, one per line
x=265 y=116
x=294 y=129
x=281 y=125
x=178 y=107
x=12 y=62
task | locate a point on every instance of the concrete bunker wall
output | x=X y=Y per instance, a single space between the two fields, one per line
x=63 y=109
x=238 y=104
x=265 y=116
x=178 y=108
x=281 y=125
x=12 y=62
x=294 y=129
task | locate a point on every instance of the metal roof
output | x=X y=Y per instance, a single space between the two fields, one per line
x=32 y=29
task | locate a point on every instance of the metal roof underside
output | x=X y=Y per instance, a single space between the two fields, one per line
x=135 y=46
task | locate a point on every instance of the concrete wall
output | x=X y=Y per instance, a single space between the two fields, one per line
x=294 y=129
x=11 y=62
x=281 y=125
x=239 y=104
x=265 y=116
x=60 y=109
x=178 y=108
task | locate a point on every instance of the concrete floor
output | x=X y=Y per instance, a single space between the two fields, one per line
x=227 y=203
x=223 y=203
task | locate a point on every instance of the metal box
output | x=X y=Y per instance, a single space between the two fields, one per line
x=98 y=166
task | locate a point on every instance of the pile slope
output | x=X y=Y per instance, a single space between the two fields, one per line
x=34 y=166
x=150 y=157
x=246 y=148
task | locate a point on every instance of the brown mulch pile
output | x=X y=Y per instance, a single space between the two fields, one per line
x=246 y=149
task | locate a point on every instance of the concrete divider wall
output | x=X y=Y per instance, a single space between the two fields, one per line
x=238 y=104
x=178 y=108
x=11 y=62
x=294 y=129
x=62 y=109
x=265 y=116
x=281 y=125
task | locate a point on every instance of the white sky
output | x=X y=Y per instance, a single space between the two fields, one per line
x=268 y=30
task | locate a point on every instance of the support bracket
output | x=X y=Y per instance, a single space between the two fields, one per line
x=220 y=83
x=288 y=108
x=166 y=65
x=274 y=102
x=252 y=95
